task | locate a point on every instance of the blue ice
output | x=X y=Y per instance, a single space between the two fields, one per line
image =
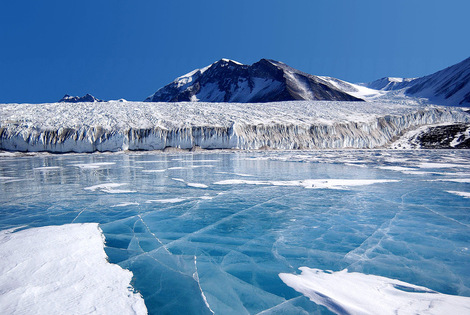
x=210 y=232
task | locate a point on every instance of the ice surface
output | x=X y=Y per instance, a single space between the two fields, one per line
x=117 y=126
x=221 y=248
x=309 y=183
x=62 y=270
x=357 y=293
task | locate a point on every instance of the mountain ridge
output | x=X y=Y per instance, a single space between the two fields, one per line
x=449 y=86
x=264 y=81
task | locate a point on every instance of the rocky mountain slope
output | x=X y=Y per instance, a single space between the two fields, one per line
x=264 y=81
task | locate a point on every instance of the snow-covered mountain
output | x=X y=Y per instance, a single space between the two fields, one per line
x=450 y=86
x=76 y=99
x=264 y=81
x=390 y=83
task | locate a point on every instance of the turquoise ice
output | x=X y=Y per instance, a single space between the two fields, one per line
x=210 y=232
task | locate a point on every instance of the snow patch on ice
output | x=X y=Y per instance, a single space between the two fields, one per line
x=63 y=270
x=441 y=165
x=455 y=180
x=108 y=188
x=197 y=185
x=460 y=193
x=309 y=183
x=346 y=292
x=168 y=200
x=125 y=204
x=94 y=165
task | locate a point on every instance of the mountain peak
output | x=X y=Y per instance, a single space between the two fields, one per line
x=76 y=99
x=450 y=86
x=264 y=81
x=230 y=61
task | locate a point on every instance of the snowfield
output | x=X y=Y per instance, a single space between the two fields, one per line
x=116 y=126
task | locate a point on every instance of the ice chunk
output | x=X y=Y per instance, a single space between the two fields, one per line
x=356 y=293
x=62 y=270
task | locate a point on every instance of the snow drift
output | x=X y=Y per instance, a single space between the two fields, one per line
x=115 y=126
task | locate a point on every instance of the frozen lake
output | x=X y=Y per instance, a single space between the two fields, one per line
x=211 y=232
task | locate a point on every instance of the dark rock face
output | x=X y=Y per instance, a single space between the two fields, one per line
x=75 y=99
x=264 y=81
x=441 y=137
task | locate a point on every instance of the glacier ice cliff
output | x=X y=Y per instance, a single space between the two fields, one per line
x=116 y=126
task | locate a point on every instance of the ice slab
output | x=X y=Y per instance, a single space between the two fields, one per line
x=346 y=292
x=62 y=270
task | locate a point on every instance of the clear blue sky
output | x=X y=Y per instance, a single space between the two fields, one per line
x=128 y=49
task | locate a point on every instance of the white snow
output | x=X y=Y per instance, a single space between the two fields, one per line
x=197 y=185
x=230 y=60
x=125 y=204
x=94 y=165
x=346 y=292
x=168 y=200
x=441 y=165
x=455 y=180
x=460 y=193
x=116 y=126
x=154 y=171
x=62 y=270
x=309 y=183
x=356 y=90
x=460 y=137
x=108 y=188
x=396 y=168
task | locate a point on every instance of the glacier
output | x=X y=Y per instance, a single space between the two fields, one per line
x=119 y=126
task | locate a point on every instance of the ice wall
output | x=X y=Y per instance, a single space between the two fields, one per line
x=115 y=126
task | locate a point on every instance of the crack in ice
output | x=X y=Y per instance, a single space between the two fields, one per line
x=196 y=278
